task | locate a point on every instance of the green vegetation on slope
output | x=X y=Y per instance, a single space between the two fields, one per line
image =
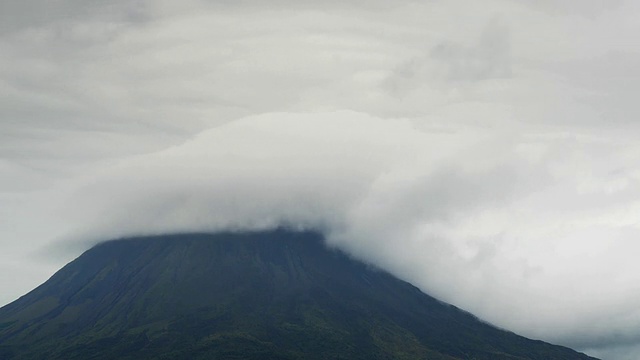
x=271 y=295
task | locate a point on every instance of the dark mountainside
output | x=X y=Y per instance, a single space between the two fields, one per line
x=270 y=295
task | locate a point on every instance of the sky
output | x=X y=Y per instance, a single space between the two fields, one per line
x=484 y=151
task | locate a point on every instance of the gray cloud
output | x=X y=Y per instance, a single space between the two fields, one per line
x=491 y=160
x=489 y=59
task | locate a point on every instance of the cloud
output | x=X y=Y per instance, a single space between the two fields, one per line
x=493 y=164
x=497 y=221
x=488 y=59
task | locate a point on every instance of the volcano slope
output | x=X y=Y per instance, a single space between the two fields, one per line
x=264 y=295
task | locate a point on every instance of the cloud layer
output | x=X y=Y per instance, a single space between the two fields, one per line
x=498 y=222
x=485 y=152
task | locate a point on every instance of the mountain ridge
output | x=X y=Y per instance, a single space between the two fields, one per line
x=263 y=295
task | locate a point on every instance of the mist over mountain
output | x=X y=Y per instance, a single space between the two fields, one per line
x=486 y=151
x=260 y=295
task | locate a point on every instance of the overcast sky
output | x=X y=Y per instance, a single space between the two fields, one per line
x=486 y=151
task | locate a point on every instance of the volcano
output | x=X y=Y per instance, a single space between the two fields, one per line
x=263 y=295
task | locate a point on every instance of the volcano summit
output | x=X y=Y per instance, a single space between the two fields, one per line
x=264 y=295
